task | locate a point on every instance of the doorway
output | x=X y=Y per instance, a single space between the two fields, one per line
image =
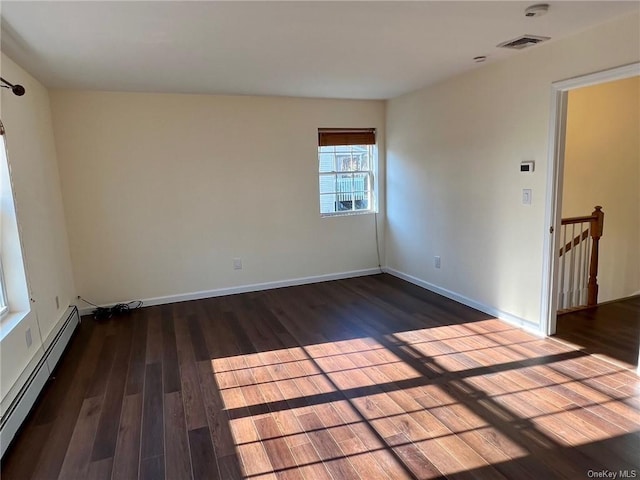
x=556 y=181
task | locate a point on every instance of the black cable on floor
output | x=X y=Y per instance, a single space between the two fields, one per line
x=104 y=313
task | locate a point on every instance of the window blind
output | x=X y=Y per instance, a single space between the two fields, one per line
x=346 y=136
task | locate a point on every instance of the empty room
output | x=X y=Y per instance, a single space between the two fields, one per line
x=319 y=240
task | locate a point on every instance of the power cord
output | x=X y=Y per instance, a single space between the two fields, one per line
x=375 y=215
x=105 y=313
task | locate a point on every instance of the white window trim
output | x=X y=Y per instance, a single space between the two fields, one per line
x=4 y=304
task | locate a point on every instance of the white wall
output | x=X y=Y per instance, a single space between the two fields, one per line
x=162 y=191
x=40 y=216
x=602 y=167
x=453 y=181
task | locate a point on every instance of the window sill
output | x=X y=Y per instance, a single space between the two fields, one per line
x=348 y=214
x=10 y=321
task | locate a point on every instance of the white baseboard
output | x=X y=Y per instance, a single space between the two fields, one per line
x=489 y=310
x=219 y=292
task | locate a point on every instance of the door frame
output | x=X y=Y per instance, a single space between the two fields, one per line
x=555 y=160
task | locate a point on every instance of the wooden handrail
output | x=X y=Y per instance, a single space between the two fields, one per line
x=585 y=219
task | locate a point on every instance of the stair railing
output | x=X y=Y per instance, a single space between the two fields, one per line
x=580 y=237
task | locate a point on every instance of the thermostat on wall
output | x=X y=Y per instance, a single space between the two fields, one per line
x=526 y=167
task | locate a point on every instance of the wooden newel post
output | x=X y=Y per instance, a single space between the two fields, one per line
x=596 y=232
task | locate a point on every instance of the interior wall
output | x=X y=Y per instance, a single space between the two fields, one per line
x=40 y=218
x=454 y=186
x=162 y=191
x=602 y=167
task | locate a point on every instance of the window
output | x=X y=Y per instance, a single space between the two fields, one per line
x=4 y=306
x=347 y=164
x=14 y=294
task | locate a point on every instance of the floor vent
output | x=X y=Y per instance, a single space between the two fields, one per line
x=523 y=42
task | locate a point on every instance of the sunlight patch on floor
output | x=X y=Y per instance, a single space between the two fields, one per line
x=404 y=392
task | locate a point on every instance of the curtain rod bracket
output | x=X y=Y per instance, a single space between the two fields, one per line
x=16 y=89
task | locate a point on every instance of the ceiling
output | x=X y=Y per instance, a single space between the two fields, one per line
x=335 y=49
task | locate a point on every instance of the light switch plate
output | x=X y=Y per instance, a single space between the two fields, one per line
x=526 y=196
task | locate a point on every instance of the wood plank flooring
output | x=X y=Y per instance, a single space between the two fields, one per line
x=365 y=378
x=611 y=330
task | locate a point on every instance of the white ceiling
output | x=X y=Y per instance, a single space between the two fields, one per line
x=336 y=49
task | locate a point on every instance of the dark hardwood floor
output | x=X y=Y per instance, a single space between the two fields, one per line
x=366 y=378
x=611 y=330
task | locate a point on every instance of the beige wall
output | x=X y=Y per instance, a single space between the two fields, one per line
x=602 y=167
x=40 y=216
x=162 y=191
x=453 y=182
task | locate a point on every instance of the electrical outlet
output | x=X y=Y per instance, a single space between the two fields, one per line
x=436 y=261
x=237 y=264
x=27 y=337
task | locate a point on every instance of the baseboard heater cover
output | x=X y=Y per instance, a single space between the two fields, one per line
x=25 y=399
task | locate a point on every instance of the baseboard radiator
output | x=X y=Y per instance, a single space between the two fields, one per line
x=25 y=399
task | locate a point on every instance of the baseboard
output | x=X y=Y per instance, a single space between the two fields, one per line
x=615 y=300
x=255 y=287
x=489 y=310
x=30 y=389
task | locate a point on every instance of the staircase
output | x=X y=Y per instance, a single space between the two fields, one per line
x=578 y=276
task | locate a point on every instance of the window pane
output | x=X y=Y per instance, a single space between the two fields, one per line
x=344 y=204
x=361 y=205
x=327 y=203
x=361 y=200
x=344 y=183
x=363 y=160
x=327 y=184
x=327 y=160
x=361 y=181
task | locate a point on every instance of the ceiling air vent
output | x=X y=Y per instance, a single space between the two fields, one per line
x=522 y=42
